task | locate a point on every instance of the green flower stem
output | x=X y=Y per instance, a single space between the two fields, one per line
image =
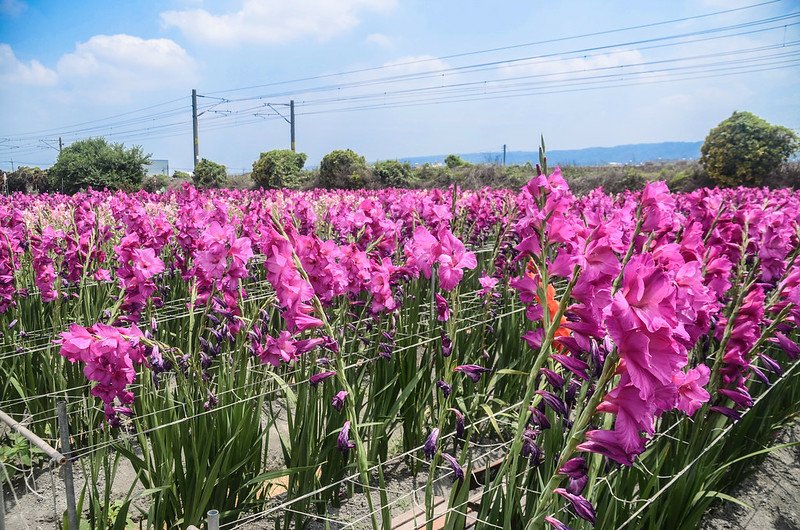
x=524 y=413
x=574 y=438
x=352 y=415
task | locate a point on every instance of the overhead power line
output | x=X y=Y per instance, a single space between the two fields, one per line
x=501 y=48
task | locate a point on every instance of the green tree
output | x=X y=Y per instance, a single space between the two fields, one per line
x=393 y=173
x=744 y=149
x=209 y=174
x=279 y=168
x=98 y=164
x=342 y=168
x=27 y=180
x=454 y=161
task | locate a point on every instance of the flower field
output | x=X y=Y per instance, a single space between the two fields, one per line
x=520 y=359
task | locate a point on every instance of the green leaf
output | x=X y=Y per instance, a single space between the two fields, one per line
x=509 y=371
x=278 y=473
x=726 y=497
x=490 y=414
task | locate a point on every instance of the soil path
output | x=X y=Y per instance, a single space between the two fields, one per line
x=772 y=489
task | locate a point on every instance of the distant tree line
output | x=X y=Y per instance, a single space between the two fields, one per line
x=742 y=150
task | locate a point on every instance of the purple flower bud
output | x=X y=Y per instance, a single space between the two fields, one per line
x=343 y=442
x=460 y=423
x=338 y=400
x=572 y=391
x=430 y=444
x=530 y=449
x=771 y=364
x=444 y=387
x=555 y=380
x=582 y=507
x=330 y=344
x=573 y=364
x=212 y=401
x=315 y=379
x=539 y=418
x=205 y=360
x=740 y=396
x=726 y=411
x=574 y=467
x=306 y=345
x=447 y=345
x=442 y=309
x=473 y=371
x=555 y=523
x=761 y=375
x=553 y=401
x=456 y=467
x=577 y=485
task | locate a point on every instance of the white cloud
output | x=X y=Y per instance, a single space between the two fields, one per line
x=12 y=7
x=273 y=21
x=126 y=63
x=105 y=68
x=380 y=40
x=14 y=71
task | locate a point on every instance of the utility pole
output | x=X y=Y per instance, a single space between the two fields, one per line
x=504 y=154
x=60 y=145
x=291 y=122
x=194 y=129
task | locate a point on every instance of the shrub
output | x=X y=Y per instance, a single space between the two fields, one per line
x=155 y=183
x=454 y=161
x=96 y=163
x=342 y=168
x=744 y=149
x=182 y=175
x=689 y=179
x=785 y=176
x=613 y=179
x=27 y=180
x=391 y=173
x=209 y=174
x=430 y=176
x=279 y=168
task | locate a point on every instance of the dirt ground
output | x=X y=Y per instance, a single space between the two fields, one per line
x=772 y=490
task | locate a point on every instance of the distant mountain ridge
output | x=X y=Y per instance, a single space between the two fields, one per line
x=590 y=156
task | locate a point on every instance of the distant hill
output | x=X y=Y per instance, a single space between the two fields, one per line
x=590 y=156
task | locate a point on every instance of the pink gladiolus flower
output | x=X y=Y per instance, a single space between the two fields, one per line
x=453 y=260
x=487 y=284
x=109 y=354
x=691 y=394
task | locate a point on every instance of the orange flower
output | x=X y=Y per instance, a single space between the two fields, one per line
x=552 y=306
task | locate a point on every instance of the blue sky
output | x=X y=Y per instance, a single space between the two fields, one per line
x=92 y=68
